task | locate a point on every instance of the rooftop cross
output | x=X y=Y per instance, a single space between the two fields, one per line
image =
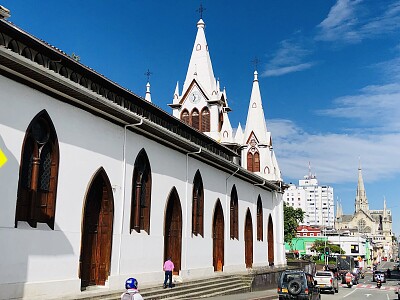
x=200 y=10
x=255 y=62
x=148 y=73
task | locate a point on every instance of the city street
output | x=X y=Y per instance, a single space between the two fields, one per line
x=366 y=289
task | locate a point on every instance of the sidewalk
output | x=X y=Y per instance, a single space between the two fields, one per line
x=259 y=295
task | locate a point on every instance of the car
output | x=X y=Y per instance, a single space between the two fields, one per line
x=299 y=285
x=326 y=281
x=382 y=273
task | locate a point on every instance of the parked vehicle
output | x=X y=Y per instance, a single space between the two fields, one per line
x=297 y=285
x=326 y=281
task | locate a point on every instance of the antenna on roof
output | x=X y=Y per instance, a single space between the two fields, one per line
x=200 y=10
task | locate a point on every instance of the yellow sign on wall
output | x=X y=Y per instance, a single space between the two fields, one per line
x=3 y=158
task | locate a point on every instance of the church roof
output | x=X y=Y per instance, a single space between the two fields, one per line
x=54 y=72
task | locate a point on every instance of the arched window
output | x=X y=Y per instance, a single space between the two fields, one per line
x=234 y=214
x=195 y=119
x=259 y=219
x=205 y=120
x=38 y=175
x=220 y=121
x=141 y=194
x=185 y=116
x=253 y=160
x=249 y=161
x=197 y=205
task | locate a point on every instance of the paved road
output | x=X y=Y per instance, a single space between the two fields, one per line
x=366 y=289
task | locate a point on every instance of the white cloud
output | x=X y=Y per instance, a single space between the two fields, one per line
x=376 y=106
x=340 y=22
x=351 y=21
x=334 y=157
x=286 y=70
x=289 y=58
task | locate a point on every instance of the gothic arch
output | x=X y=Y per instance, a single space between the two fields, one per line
x=173 y=230
x=218 y=237
x=38 y=175
x=185 y=116
x=248 y=240
x=270 y=240
x=205 y=120
x=97 y=231
x=234 y=214
x=195 y=118
x=259 y=219
x=253 y=160
x=198 y=205
x=141 y=193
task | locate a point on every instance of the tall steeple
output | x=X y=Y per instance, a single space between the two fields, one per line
x=202 y=104
x=200 y=67
x=257 y=152
x=385 y=214
x=361 y=202
x=255 y=122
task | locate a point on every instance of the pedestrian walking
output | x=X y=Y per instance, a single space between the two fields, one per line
x=132 y=292
x=168 y=269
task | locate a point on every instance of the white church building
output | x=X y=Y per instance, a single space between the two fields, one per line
x=99 y=184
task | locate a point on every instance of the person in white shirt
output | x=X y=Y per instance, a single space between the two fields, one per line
x=132 y=292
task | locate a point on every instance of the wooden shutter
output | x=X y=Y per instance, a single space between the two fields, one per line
x=249 y=161
x=146 y=209
x=259 y=220
x=185 y=116
x=195 y=119
x=256 y=166
x=200 y=214
x=205 y=120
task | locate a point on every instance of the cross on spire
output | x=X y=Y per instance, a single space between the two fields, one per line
x=148 y=74
x=255 y=62
x=200 y=10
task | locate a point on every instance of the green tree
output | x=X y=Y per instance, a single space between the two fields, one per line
x=292 y=217
x=319 y=246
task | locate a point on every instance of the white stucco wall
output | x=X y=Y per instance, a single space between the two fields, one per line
x=38 y=262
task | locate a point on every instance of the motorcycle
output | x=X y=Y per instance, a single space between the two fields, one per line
x=378 y=283
x=349 y=280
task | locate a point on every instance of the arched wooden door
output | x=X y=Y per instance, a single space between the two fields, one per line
x=173 y=230
x=218 y=237
x=95 y=257
x=248 y=240
x=270 y=241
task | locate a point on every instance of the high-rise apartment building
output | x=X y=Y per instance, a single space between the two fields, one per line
x=315 y=200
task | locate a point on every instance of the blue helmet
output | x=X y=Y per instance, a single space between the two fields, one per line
x=131 y=283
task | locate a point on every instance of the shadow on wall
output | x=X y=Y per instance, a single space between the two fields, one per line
x=27 y=254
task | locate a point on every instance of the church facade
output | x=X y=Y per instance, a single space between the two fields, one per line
x=100 y=184
x=376 y=225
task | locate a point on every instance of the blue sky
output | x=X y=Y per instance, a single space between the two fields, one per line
x=329 y=72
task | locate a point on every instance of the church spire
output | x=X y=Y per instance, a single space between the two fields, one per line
x=385 y=214
x=148 y=94
x=361 y=202
x=257 y=153
x=255 y=122
x=200 y=67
